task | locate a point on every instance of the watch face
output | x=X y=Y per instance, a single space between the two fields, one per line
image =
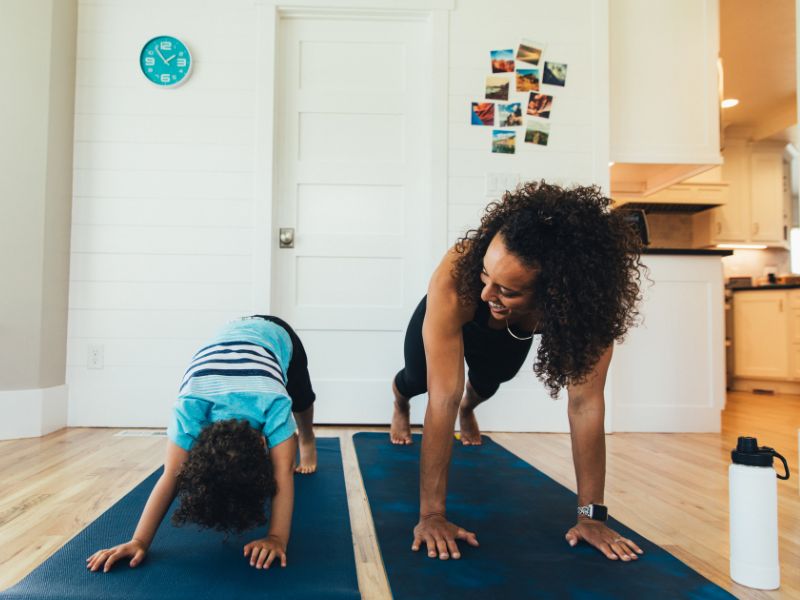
x=165 y=61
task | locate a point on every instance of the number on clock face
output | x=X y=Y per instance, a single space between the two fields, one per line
x=165 y=61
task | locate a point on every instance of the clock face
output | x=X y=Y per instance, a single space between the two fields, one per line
x=165 y=61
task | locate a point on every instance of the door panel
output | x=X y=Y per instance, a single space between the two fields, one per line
x=353 y=180
x=760 y=334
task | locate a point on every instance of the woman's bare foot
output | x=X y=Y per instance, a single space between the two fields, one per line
x=308 y=457
x=400 y=431
x=470 y=432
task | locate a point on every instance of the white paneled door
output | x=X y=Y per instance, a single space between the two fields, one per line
x=353 y=199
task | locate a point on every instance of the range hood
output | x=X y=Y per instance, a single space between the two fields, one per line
x=681 y=197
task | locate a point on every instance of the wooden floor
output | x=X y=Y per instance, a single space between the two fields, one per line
x=671 y=488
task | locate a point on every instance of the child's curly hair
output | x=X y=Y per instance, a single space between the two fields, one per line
x=227 y=479
x=588 y=286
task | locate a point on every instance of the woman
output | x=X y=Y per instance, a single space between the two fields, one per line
x=545 y=260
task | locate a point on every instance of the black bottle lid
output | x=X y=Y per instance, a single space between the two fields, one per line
x=748 y=452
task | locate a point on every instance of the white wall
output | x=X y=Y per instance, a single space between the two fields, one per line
x=164 y=246
x=757 y=263
x=37 y=37
x=162 y=236
x=575 y=32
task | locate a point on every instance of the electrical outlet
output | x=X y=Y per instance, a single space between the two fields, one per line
x=94 y=356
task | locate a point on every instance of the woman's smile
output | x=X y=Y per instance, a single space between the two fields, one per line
x=498 y=308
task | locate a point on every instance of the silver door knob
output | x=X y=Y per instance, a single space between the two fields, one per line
x=286 y=237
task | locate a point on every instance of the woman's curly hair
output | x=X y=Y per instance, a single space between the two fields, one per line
x=226 y=480
x=588 y=286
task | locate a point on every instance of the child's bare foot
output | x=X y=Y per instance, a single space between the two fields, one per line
x=400 y=431
x=470 y=432
x=308 y=457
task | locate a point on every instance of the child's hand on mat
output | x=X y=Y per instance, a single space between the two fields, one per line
x=608 y=541
x=440 y=537
x=262 y=552
x=109 y=556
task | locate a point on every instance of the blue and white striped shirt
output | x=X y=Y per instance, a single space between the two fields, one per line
x=239 y=374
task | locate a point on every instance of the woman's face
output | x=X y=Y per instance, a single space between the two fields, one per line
x=507 y=282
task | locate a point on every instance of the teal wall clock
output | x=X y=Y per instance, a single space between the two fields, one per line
x=165 y=61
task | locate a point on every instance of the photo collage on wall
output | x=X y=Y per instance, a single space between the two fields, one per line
x=515 y=89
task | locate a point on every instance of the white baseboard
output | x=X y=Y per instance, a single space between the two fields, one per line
x=32 y=413
x=667 y=419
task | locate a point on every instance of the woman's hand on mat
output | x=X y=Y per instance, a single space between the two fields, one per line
x=608 y=541
x=109 y=556
x=264 y=551
x=440 y=535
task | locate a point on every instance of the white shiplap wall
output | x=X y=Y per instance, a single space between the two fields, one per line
x=574 y=32
x=164 y=241
x=162 y=235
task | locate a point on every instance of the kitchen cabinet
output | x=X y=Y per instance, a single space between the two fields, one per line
x=767 y=218
x=794 y=335
x=669 y=372
x=757 y=211
x=659 y=136
x=767 y=334
x=728 y=224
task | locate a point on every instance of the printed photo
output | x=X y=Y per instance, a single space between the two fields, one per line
x=527 y=80
x=539 y=105
x=483 y=113
x=497 y=87
x=503 y=142
x=537 y=133
x=555 y=73
x=502 y=61
x=509 y=115
x=530 y=52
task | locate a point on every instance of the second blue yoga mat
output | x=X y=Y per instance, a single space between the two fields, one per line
x=185 y=563
x=520 y=516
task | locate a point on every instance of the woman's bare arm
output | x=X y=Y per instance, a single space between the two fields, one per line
x=445 y=315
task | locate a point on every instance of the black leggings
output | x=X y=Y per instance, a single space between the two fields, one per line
x=298 y=381
x=492 y=355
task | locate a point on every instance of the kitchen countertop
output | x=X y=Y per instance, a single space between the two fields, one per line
x=775 y=286
x=689 y=251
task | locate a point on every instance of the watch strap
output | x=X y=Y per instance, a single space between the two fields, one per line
x=595 y=512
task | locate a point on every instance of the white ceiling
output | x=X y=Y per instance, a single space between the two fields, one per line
x=757 y=46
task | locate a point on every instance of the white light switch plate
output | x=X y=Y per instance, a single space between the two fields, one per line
x=498 y=183
x=491 y=184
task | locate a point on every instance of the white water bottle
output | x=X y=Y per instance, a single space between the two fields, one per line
x=753 y=487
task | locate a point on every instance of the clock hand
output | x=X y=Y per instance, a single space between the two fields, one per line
x=161 y=55
x=170 y=58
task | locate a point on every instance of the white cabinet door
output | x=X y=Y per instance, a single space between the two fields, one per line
x=655 y=46
x=730 y=221
x=757 y=190
x=760 y=334
x=794 y=334
x=766 y=197
x=794 y=343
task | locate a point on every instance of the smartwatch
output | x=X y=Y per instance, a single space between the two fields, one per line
x=595 y=512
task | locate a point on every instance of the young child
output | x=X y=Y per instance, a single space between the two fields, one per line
x=231 y=442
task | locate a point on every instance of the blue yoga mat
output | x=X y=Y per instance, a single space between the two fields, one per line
x=191 y=564
x=520 y=517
